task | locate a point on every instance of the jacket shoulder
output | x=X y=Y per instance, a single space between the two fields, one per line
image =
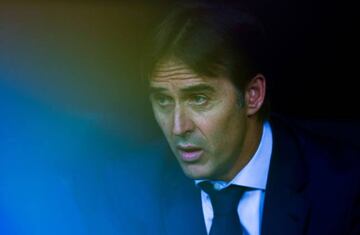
x=333 y=176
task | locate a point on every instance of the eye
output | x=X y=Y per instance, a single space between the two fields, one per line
x=198 y=99
x=162 y=100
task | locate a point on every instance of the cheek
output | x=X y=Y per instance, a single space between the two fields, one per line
x=163 y=122
x=212 y=128
x=221 y=131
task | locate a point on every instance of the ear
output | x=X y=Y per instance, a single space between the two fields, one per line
x=255 y=94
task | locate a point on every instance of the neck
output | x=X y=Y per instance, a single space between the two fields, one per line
x=250 y=145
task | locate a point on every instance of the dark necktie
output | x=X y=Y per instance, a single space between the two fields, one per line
x=225 y=203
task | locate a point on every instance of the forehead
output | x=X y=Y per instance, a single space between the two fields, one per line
x=172 y=69
x=173 y=74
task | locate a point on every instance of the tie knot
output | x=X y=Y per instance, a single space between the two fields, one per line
x=224 y=201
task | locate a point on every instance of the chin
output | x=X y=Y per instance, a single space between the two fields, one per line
x=196 y=173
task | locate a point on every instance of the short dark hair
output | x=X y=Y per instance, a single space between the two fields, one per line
x=212 y=39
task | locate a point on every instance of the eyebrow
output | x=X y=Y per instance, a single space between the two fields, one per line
x=190 y=89
x=154 y=90
x=198 y=88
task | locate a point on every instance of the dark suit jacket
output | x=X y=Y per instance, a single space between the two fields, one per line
x=313 y=188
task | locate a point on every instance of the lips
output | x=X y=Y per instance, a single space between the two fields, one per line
x=189 y=153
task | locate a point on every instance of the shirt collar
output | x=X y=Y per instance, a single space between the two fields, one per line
x=254 y=174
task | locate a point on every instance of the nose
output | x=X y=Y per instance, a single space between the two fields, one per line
x=182 y=123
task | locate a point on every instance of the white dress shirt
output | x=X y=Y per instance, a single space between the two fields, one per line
x=254 y=176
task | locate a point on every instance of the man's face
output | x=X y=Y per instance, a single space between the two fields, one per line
x=202 y=120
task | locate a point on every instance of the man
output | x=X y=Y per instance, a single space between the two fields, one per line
x=208 y=93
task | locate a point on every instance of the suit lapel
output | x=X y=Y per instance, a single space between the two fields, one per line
x=181 y=205
x=285 y=207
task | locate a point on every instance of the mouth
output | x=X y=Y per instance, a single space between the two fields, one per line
x=189 y=153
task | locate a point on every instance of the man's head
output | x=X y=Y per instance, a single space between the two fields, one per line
x=207 y=89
